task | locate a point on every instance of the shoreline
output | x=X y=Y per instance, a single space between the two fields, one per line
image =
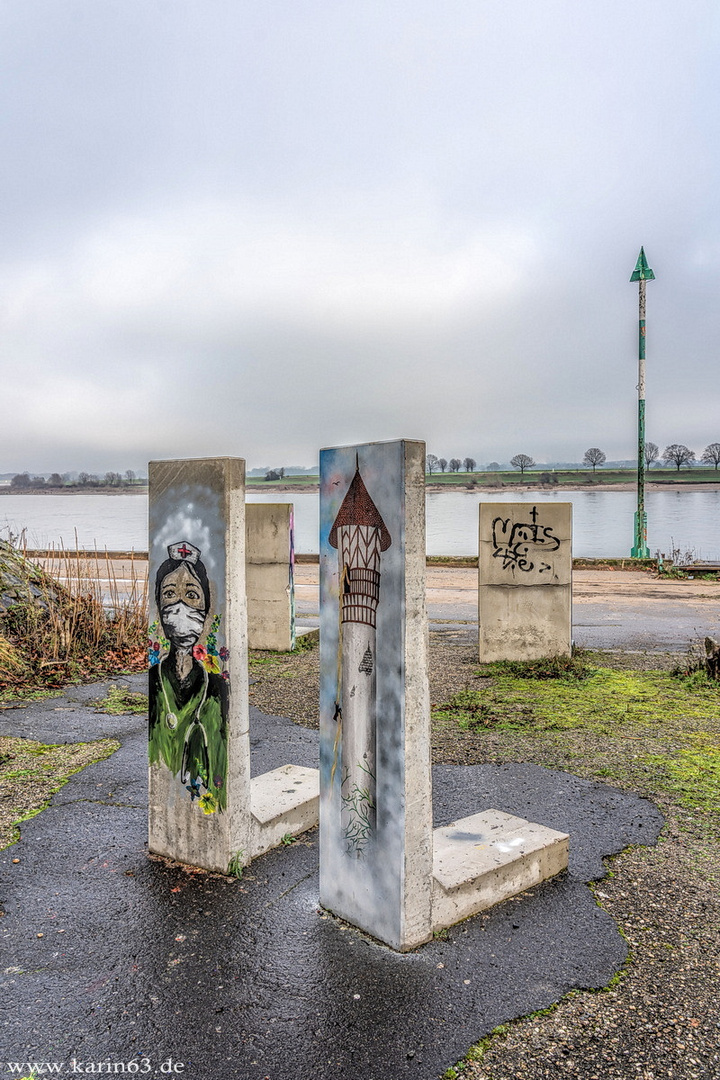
x=469 y=489
x=430 y=488
x=134 y=490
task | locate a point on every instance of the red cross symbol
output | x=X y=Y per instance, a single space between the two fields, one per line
x=184 y=552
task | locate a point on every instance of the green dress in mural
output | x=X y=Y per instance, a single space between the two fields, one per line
x=188 y=730
x=188 y=686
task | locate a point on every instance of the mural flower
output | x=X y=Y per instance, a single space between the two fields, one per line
x=208 y=803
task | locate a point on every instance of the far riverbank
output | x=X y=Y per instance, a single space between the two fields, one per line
x=519 y=486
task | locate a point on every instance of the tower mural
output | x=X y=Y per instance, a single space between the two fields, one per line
x=360 y=536
x=375 y=797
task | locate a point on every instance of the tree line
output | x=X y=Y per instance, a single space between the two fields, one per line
x=25 y=481
x=441 y=464
x=676 y=454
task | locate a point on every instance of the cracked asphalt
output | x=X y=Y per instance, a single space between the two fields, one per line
x=108 y=955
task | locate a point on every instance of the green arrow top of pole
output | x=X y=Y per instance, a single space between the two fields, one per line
x=642 y=271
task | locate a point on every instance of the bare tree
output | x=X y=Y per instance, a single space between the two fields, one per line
x=442 y=462
x=129 y=476
x=676 y=454
x=494 y=466
x=455 y=464
x=652 y=453
x=594 y=456
x=522 y=462
x=431 y=463
x=55 y=480
x=711 y=454
x=469 y=464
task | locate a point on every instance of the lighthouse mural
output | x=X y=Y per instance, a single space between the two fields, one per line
x=375 y=793
x=360 y=536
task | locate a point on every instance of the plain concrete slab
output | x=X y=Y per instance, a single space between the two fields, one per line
x=284 y=803
x=269 y=575
x=485 y=858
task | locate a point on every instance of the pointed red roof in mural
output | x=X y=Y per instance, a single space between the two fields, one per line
x=359 y=509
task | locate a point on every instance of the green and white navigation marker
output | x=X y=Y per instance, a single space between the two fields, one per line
x=641 y=274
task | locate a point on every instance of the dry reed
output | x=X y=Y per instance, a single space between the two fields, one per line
x=71 y=616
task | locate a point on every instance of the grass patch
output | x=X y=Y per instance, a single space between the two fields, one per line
x=31 y=772
x=649 y=730
x=120 y=700
x=693 y=776
x=306 y=643
x=573 y=667
x=603 y=700
x=236 y=865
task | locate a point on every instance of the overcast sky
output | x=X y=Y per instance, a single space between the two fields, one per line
x=259 y=228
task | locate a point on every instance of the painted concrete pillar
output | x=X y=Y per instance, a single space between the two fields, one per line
x=376 y=812
x=199 y=749
x=203 y=807
x=525 y=581
x=270 y=551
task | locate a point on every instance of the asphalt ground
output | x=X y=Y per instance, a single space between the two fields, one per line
x=111 y=957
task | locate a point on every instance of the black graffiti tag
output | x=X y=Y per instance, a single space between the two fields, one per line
x=519 y=544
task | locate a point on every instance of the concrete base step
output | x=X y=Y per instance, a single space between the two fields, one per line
x=487 y=857
x=310 y=633
x=284 y=802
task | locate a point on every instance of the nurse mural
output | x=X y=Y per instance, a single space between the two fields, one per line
x=188 y=686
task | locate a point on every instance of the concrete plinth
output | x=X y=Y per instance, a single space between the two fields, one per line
x=375 y=795
x=199 y=745
x=525 y=581
x=488 y=857
x=284 y=803
x=269 y=576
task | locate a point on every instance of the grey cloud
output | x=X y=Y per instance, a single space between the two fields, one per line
x=258 y=229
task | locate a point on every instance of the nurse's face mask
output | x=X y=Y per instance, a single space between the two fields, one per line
x=182 y=607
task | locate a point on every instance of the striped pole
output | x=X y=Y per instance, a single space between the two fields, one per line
x=640 y=550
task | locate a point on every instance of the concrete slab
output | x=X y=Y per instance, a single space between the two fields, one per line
x=486 y=858
x=524 y=581
x=283 y=803
x=269 y=576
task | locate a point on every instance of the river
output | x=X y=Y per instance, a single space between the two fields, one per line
x=602 y=520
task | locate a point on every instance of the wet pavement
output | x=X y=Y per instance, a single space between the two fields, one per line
x=145 y=963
